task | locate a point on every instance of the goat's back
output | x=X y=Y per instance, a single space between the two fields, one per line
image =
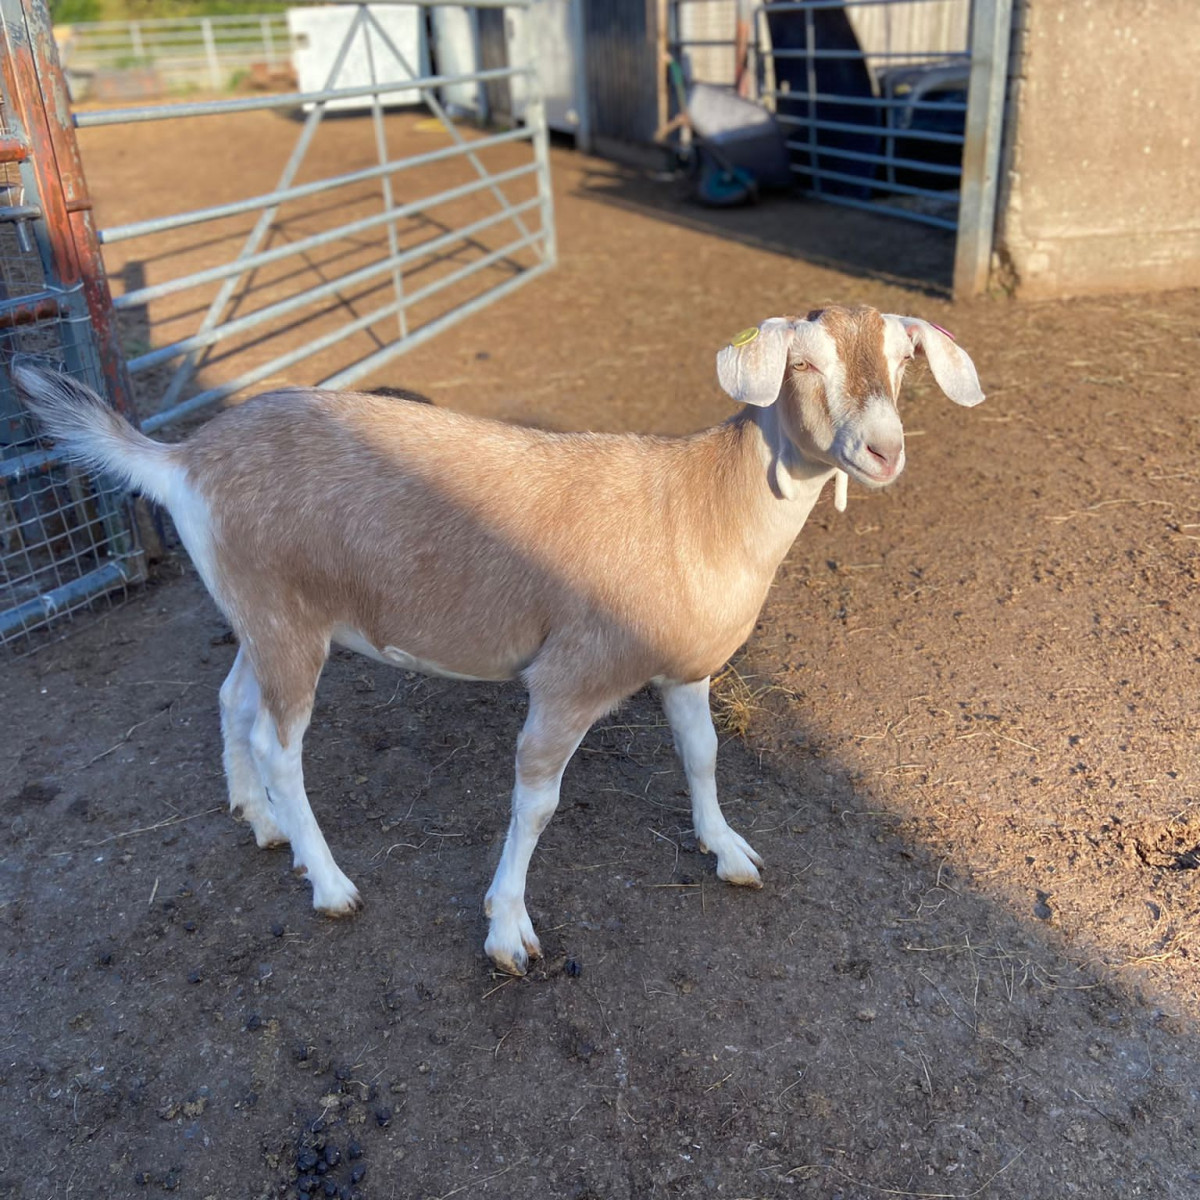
x=461 y=541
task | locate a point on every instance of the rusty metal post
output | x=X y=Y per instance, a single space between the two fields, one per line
x=35 y=81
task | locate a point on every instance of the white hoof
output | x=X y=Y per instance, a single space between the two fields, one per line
x=737 y=860
x=511 y=942
x=267 y=833
x=334 y=894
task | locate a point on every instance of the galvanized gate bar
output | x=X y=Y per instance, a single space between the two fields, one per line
x=18 y=467
x=918 y=135
x=442 y=323
x=209 y=337
x=991 y=35
x=430 y=98
x=45 y=607
x=886 y=55
x=874 y=101
x=881 y=160
x=385 y=183
x=186 y=369
x=351 y=374
x=814 y=5
x=266 y=257
x=120 y=233
x=284 y=100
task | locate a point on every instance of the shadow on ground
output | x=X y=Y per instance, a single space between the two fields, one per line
x=866 y=245
x=179 y=1017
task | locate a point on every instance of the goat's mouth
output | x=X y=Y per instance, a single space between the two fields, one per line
x=870 y=468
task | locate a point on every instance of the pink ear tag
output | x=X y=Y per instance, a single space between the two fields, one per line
x=945 y=331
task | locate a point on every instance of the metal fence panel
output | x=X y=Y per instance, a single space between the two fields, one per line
x=65 y=539
x=882 y=102
x=469 y=262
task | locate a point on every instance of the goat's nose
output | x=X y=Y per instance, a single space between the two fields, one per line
x=886 y=451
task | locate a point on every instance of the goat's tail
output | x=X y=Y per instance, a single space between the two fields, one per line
x=90 y=432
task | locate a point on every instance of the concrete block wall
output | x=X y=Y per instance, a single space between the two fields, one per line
x=1101 y=186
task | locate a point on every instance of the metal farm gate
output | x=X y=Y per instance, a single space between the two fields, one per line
x=894 y=106
x=363 y=264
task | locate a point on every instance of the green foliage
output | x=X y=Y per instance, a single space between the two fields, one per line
x=138 y=10
x=74 y=12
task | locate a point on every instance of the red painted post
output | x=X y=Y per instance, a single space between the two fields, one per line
x=34 y=79
x=12 y=149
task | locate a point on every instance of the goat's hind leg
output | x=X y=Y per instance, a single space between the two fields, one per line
x=686 y=706
x=276 y=742
x=248 y=799
x=552 y=732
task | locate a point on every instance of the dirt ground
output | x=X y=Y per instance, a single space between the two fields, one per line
x=964 y=737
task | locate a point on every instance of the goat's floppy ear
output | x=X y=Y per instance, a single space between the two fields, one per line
x=951 y=365
x=752 y=366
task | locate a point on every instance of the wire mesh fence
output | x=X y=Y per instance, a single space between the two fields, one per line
x=65 y=539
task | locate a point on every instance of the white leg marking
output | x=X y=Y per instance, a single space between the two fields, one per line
x=283 y=777
x=686 y=706
x=247 y=797
x=543 y=750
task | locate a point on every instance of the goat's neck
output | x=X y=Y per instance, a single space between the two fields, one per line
x=766 y=489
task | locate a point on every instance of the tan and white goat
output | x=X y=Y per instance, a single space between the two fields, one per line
x=589 y=565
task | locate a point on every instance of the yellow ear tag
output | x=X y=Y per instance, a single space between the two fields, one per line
x=745 y=337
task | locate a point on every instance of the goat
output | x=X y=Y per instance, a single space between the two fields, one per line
x=588 y=565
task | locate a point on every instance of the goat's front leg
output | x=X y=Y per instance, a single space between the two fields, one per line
x=551 y=734
x=686 y=706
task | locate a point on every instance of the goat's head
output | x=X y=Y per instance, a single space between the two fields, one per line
x=835 y=376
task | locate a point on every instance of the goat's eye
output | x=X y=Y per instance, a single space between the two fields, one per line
x=802 y=365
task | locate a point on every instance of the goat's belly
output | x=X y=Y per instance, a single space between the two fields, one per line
x=393 y=656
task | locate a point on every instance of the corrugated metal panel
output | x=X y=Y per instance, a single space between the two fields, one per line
x=889 y=32
x=622 y=69
x=918 y=29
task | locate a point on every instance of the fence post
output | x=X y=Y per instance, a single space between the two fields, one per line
x=135 y=41
x=268 y=44
x=535 y=118
x=210 y=52
x=41 y=91
x=991 y=30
